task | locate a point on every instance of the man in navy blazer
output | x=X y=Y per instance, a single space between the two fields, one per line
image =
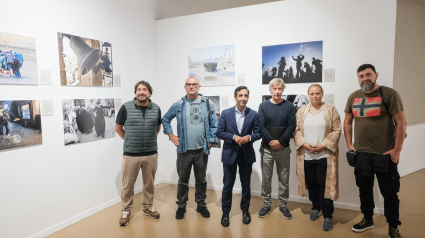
x=239 y=127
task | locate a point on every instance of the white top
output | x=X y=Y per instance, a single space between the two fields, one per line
x=314 y=134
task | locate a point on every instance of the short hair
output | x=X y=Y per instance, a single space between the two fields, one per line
x=366 y=66
x=315 y=85
x=240 y=88
x=144 y=83
x=275 y=81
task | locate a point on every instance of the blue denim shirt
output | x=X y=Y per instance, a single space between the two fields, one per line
x=178 y=110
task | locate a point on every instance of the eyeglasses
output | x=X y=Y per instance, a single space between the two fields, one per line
x=191 y=84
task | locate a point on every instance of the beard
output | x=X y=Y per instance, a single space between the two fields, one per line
x=366 y=87
x=142 y=101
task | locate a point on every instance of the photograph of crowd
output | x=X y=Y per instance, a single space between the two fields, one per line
x=20 y=124
x=298 y=100
x=216 y=101
x=294 y=63
x=88 y=119
x=84 y=61
x=213 y=66
x=18 y=59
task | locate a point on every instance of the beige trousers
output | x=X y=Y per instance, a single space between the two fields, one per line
x=130 y=169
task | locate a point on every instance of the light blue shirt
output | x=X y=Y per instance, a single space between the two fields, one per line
x=240 y=118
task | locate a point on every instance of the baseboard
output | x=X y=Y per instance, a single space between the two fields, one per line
x=274 y=195
x=83 y=215
x=411 y=168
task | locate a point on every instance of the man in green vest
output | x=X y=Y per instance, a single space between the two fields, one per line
x=138 y=123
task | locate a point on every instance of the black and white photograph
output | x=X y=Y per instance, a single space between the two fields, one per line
x=87 y=120
x=298 y=100
x=18 y=59
x=294 y=63
x=20 y=124
x=213 y=66
x=216 y=101
x=84 y=61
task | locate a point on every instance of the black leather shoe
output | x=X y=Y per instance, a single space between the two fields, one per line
x=180 y=213
x=246 y=217
x=204 y=211
x=225 y=220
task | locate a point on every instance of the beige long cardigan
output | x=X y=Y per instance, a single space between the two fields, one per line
x=332 y=135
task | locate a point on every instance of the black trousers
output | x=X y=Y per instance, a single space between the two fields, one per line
x=199 y=160
x=389 y=185
x=245 y=170
x=315 y=176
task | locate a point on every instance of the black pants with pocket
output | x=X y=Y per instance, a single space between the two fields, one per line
x=315 y=176
x=389 y=185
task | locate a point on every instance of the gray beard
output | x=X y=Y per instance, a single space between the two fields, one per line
x=142 y=101
x=367 y=87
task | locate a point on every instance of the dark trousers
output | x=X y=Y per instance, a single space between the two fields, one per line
x=315 y=175
x=245 y=170
x=199 y=160
x=5 y=124
x=389 y=185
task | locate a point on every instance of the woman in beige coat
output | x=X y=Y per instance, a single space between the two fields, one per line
x=316 y=139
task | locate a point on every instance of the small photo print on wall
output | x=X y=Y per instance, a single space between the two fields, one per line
x=84 y=61
x=87 y=120
x=294 y=63
x=298 y=100
x=18 y=59
x=216 y=101
x=213 y=66
x=20 y=124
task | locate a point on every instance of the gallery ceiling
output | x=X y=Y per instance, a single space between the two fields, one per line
x=176 y=8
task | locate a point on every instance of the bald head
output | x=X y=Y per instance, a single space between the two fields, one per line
x=192 y=80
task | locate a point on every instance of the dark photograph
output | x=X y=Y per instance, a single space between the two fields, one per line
x=294 y=63
x=20 y=124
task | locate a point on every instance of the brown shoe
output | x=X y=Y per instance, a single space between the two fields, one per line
x=151 y=213
x=125 y=218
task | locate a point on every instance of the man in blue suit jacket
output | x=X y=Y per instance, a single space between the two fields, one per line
x=239 y=127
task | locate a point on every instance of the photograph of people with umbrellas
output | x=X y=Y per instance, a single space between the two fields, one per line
x=294 y=63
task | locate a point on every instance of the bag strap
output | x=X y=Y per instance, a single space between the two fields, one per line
x=208 y=108
x=384 y=100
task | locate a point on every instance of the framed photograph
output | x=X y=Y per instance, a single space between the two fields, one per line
x=87 y=120
x=18 y=59
x=213 y=66
x=84 y=61
x=294 y=63
x=20 y=124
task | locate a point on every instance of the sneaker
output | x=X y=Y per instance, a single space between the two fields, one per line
x=285 y=213
x=204 y=211
x=394 y=233
x=264 y=211
x=151 y=213
x=180 y=213
x=363 y=225
x=314 y=215
x=327 y=224
x=125 y=218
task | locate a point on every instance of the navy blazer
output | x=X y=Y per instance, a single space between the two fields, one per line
x=228 y=127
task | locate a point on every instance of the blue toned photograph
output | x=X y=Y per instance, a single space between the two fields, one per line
x=213 y=66
x=294 y=63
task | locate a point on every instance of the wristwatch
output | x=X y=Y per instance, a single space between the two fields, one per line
x=169 y=137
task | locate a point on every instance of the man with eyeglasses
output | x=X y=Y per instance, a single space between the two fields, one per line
x=196 y=129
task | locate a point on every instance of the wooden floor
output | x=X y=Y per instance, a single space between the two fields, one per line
x=105 y=223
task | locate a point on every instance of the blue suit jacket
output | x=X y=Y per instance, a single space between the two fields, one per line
x=228 y=127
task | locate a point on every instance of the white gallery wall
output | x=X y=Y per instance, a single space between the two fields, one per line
x=353 y=33
x=48 y=187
